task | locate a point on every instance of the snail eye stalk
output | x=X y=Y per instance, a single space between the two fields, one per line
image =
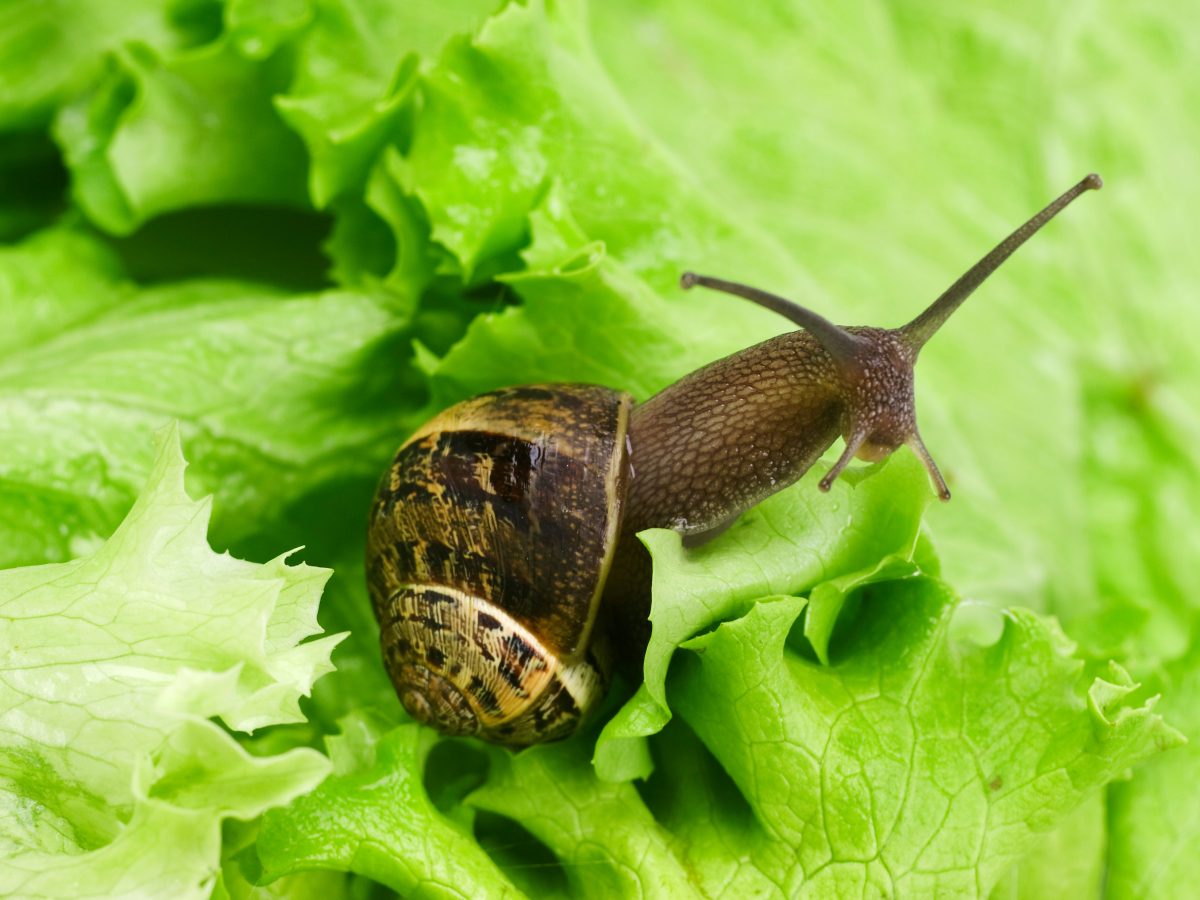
x=923 y=327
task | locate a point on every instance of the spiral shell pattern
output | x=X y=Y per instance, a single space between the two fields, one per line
x=489 y=545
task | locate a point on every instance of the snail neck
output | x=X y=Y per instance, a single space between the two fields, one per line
x=711 y=446
x=731 y=434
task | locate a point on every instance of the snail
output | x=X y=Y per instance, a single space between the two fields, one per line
x=501 y=551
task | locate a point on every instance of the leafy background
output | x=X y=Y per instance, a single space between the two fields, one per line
x=296 y=227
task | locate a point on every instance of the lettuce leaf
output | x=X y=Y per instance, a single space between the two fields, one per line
x=54 y=281
x=47 y=53
x=769 y=553
x=1154 y=818
x=352 y=81
x=570 y=284
x=820 y=712
x=1069 y=861
x=524 y=102
x=374 y=818
x=920 y=761
x=114 y=776
x=276 y=394
x=162 y=132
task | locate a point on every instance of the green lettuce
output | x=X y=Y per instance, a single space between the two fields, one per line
x=354 y=77
x=924 y=760
x=115 y=779
x=154 y=134
x=265 y=386
x=49 y=52
x=1154 y=819
x=1003 y=744
x=694 y=591
x=374 y=818
x=525 y=102
x=844 y=694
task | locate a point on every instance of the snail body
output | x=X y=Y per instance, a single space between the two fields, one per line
x=494 y=533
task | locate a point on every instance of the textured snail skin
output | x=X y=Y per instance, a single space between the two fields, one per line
x=729 y=435
x=490 y=539
x=732 y=433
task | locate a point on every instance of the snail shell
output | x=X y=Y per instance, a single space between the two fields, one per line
x=490 y=540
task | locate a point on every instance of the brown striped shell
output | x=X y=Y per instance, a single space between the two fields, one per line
x=490 y=539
